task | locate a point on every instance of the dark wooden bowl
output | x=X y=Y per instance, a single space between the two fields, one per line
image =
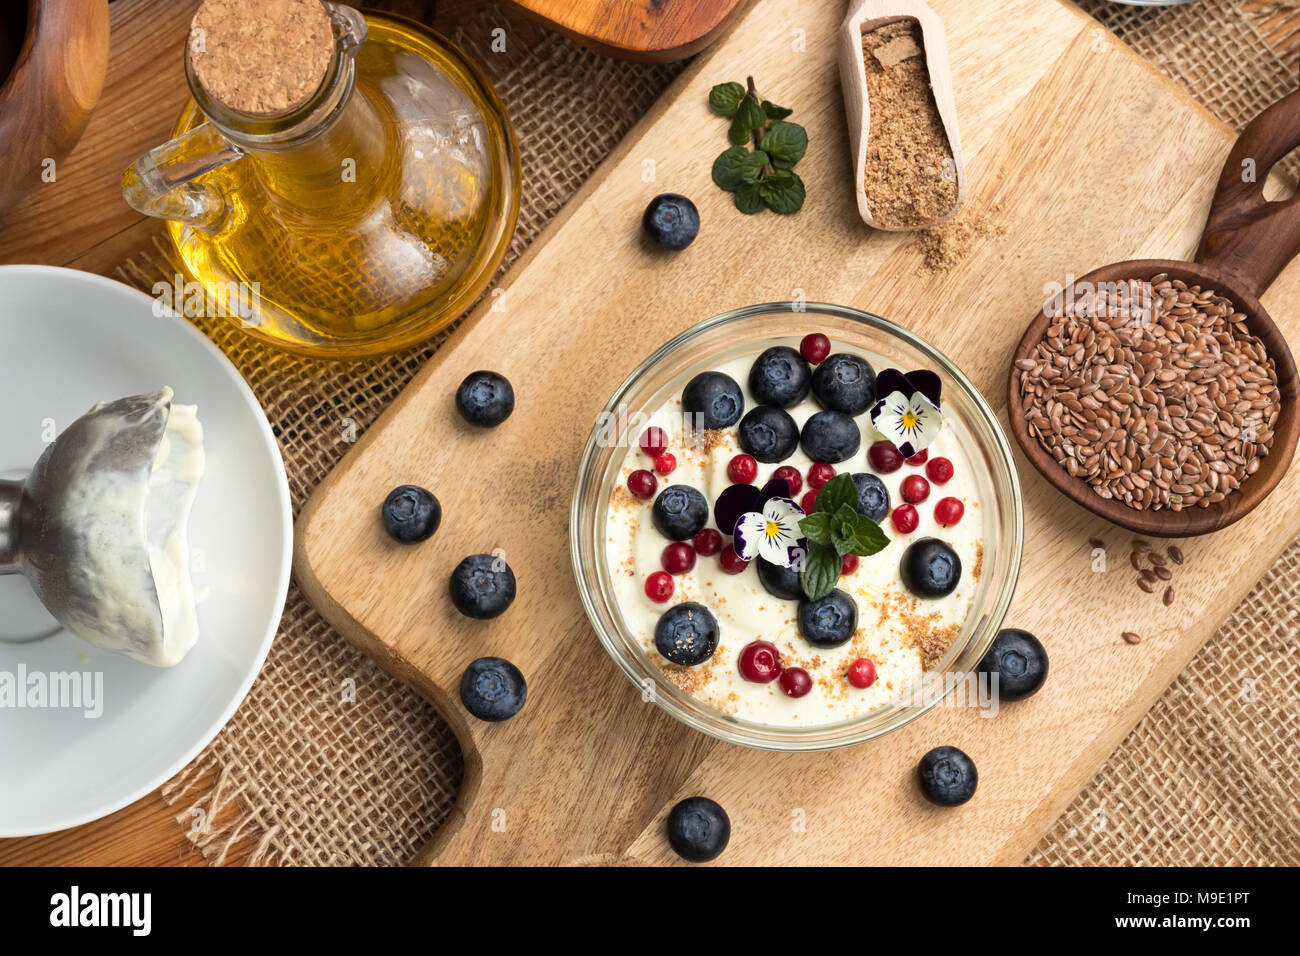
x=55 y=77
x=1247 y=241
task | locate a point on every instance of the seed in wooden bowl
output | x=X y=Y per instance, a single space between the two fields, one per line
x=1169 y=596
x=1154 y=393
x=1132 y=638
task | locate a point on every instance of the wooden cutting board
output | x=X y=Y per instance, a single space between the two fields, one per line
x=649 y=30
x=1085 y=155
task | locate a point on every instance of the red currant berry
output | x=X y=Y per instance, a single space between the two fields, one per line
x=654 y=441
x=914 y=489
x=809 y=501
x=949 y=511
x=791 y=477
x=819 y=474
x=665 y=463
x=642 y=483
x=905 y=519
x=731 y=562
x=708 y=542
x=742 y=470
x=919 y=458
x=759 y=662
x=815 y=347
x=848 y=564
x=885 y=457
x=939 y=470
x=678 y=558
x=862 y=672
x=659 y=587
x=795 y=681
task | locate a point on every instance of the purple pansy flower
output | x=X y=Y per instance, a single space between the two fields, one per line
x=908 y=410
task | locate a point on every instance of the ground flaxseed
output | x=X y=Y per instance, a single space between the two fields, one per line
x=910 y=177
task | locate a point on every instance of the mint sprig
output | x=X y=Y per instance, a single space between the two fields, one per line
x=760 y=177
x=834 y=529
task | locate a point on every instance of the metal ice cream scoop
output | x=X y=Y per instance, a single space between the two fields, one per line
x=98 y=526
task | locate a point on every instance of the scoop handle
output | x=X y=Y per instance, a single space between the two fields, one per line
x=1246 y=234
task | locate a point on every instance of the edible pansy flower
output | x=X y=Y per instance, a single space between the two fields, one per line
x=771 y=533
x=737 y=500
x=908 y=411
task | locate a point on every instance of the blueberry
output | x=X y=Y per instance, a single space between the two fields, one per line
x=778 y=581
x=873 y=496
x=930 y=568
x=687 y=634
x=493 y=689
x=482 y=586
x=411 y=514
x=1020 y=662
x=830 y=436
x=828 y=621
x=714 y=398
x=845 y=383
x=947 y=776
x=780 y=377
x=680 y=512
x=672 y=221
x=768 y=433
x=485 y=399
x=698 y=829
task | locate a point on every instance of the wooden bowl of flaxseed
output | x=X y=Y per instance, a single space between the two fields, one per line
x=1159 y=394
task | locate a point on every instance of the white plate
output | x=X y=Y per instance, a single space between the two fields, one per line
x=67 y=340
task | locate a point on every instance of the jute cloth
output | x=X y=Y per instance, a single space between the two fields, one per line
x=304 y=775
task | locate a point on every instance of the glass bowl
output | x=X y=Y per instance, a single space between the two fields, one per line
x=747 y=331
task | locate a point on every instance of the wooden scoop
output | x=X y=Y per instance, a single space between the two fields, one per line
x=1247 y=241
x=868 y=15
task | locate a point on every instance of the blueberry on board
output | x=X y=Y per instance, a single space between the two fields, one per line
x=680 y=512
x=780 y=377
x=778 y=581
x=845 y=383
x=493 y=689
x=672 y=221
x=485 y=399
x=828 y=621
x=947 y=776
x=768 y=433
x=930 y=568
x=482 y=586
x=830 y=436
x=1020 y=662
x=411 y=514
x=698 y=829
x=714 y=399
x=687 y=634
x=873 y=496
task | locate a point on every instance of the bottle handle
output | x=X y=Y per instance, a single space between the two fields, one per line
x=163 y=182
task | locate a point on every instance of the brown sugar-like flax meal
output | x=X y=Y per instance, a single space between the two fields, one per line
x=910 y=177
x=1154 y=393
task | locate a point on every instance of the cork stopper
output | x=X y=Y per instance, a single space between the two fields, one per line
x=261 y=56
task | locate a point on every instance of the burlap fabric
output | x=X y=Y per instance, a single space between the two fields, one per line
x=301 y=776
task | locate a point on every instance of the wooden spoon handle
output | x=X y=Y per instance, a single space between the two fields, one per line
x=1245 y=233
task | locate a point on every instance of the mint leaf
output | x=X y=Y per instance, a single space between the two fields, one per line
x=785 y=143
x=752 y=167
x=728 y=169
x=773 y=111
x=783 y=193
x=843 y=526
x=821 y=571
x=749 y=198
x=867 y=538
x=817 y=528
x=840 y=490
x=724 y=99
x=749 y=117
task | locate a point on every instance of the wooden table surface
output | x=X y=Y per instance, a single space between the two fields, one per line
x=96 y=231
